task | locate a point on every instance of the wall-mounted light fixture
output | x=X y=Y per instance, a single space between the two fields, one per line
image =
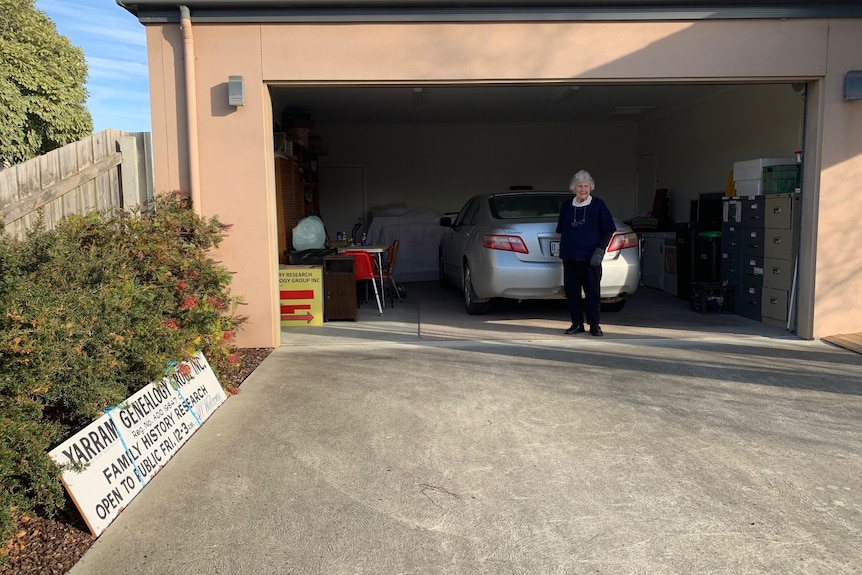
x=235 y=91
x=853 y=85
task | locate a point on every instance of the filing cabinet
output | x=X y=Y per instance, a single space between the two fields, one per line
x=759 y=245
x=781 y=212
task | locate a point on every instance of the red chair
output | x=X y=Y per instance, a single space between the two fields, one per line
x=365 y=271
x=388 y=280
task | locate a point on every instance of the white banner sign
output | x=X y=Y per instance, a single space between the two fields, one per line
x=122 y=450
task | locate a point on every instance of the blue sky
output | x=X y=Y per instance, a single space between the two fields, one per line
x=114 y=44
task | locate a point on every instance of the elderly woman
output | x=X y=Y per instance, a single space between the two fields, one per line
x=585 y=227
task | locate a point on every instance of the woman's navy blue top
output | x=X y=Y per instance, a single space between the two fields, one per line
x=594 y=229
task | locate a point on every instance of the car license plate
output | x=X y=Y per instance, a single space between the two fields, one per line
x=555 y=249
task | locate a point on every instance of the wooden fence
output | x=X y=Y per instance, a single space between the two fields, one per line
x=111 y=169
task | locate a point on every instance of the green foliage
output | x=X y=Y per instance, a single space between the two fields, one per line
x=92 y=312
x=42 y=93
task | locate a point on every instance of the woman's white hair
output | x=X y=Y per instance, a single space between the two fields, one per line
x=582 y=176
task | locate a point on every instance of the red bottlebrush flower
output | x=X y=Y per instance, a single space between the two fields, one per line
x=226 y=336
x=171 y=323
x=184 y=369
x=233 y=358
x=181 y=285
x=217 y=304
x=189 y=302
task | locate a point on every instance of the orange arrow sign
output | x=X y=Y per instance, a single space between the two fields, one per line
x=307 y=317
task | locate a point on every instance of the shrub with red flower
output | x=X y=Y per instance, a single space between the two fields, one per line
x=153 y=271
x=189 y=302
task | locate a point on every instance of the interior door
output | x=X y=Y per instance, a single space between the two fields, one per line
x=342 y=199
x=647 y=182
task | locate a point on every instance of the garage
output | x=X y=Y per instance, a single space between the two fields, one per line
x=390 y=161
x=416 y=105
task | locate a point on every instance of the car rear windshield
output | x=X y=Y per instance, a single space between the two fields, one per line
x=533 y=205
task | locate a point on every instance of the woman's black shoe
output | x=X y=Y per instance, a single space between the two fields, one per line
x=576 y=328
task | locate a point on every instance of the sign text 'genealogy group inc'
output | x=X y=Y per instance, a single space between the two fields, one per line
x=111 y=460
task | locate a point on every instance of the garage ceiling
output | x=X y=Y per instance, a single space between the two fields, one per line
x=488 y=104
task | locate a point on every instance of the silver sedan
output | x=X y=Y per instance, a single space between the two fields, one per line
x=505 y=246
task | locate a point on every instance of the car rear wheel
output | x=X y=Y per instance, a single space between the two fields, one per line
x=472 y=306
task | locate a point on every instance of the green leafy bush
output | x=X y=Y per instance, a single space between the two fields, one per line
x=90 y=313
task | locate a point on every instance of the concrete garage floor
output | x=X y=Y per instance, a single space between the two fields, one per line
x=677 y=444
x=431 y=313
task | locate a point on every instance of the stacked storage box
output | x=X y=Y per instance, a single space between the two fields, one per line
x=781 y=179
x=748 y=175
x=779 y=256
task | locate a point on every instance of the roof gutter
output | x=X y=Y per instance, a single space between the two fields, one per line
x=339 y=11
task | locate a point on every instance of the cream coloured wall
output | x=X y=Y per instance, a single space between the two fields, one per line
x=838 y=266
x=235 y=157
x=696 y=146
x=438 y=167
x=598 y=51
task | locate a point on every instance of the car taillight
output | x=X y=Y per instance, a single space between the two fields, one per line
x=505 y=243
x=621 y=241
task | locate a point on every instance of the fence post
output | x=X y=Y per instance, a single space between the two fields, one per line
x=130 y=182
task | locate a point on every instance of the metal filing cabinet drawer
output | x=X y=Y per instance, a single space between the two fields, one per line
x=752 y=270
x=780 y=210
x=778 y=274
x=752 y=242
x=750 y=302
x=753 y=208
x=731 y=267
x=731 y=211
x=779 y=243
x=731 y=238
x=774 y=304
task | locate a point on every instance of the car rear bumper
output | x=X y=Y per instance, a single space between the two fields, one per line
x=509 y=278
x=504 y=276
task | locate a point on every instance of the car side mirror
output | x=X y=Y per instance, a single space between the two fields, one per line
x=446 y=221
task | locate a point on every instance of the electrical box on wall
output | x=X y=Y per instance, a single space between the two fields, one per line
x=235 y=91
x=853 y=85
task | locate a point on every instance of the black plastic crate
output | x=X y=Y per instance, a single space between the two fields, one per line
x=711 y=297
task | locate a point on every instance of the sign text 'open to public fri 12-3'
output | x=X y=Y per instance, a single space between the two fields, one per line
x=109 y=462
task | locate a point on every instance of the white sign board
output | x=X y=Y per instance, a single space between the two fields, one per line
x=122 y=450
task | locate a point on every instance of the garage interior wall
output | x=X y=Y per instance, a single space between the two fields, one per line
x=697 y=146
x=438 y=167
x=236 y=154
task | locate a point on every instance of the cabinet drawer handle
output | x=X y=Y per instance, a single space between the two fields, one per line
x=776 y=271
x=773 y=300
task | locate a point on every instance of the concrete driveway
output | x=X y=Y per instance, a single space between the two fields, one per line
x=367 y=448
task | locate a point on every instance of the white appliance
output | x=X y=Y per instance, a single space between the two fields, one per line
x=653 y=256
